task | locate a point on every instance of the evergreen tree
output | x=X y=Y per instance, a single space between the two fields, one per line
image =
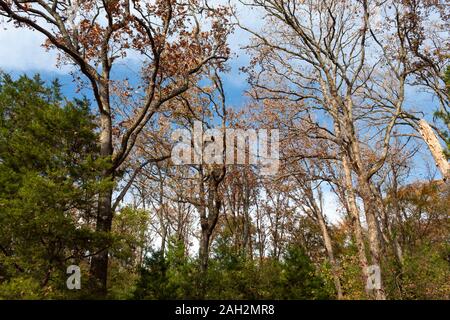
x=49 y=168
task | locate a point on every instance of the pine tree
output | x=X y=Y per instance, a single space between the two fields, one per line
x=49 y=169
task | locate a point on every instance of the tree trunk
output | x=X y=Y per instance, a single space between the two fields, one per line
x=352 y=208
x=373 y=231
x=349 y=198
x=386 y=231
x=204 y=249
x=99 y=262
x=435 y=148
x=353 y=156
x=208 y=222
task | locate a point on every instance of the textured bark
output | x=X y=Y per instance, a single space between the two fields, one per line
x=99 y=262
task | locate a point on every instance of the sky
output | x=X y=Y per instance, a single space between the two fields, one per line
x=21 y=52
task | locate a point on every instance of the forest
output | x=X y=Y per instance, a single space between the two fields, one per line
x=243 y=149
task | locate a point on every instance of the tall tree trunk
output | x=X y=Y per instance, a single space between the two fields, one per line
x=364 y=187
x=353 y=211
x=208 y=222
x=373 y=232
x=349 y=198
x=99 y=262
x=163 y=240
x=370 y=210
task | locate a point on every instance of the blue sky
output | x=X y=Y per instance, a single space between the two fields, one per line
x=21 y=52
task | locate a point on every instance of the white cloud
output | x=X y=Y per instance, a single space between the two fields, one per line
x=22 y=50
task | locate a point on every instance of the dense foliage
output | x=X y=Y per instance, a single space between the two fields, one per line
x=176 y=276
x=48 y=180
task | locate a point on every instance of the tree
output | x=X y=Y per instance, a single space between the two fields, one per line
x=94 y=36
x=331 y=69
x=353 y=97
x=200 y=111
x=49 y=174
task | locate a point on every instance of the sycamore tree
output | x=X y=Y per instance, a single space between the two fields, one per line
x=174 y=42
